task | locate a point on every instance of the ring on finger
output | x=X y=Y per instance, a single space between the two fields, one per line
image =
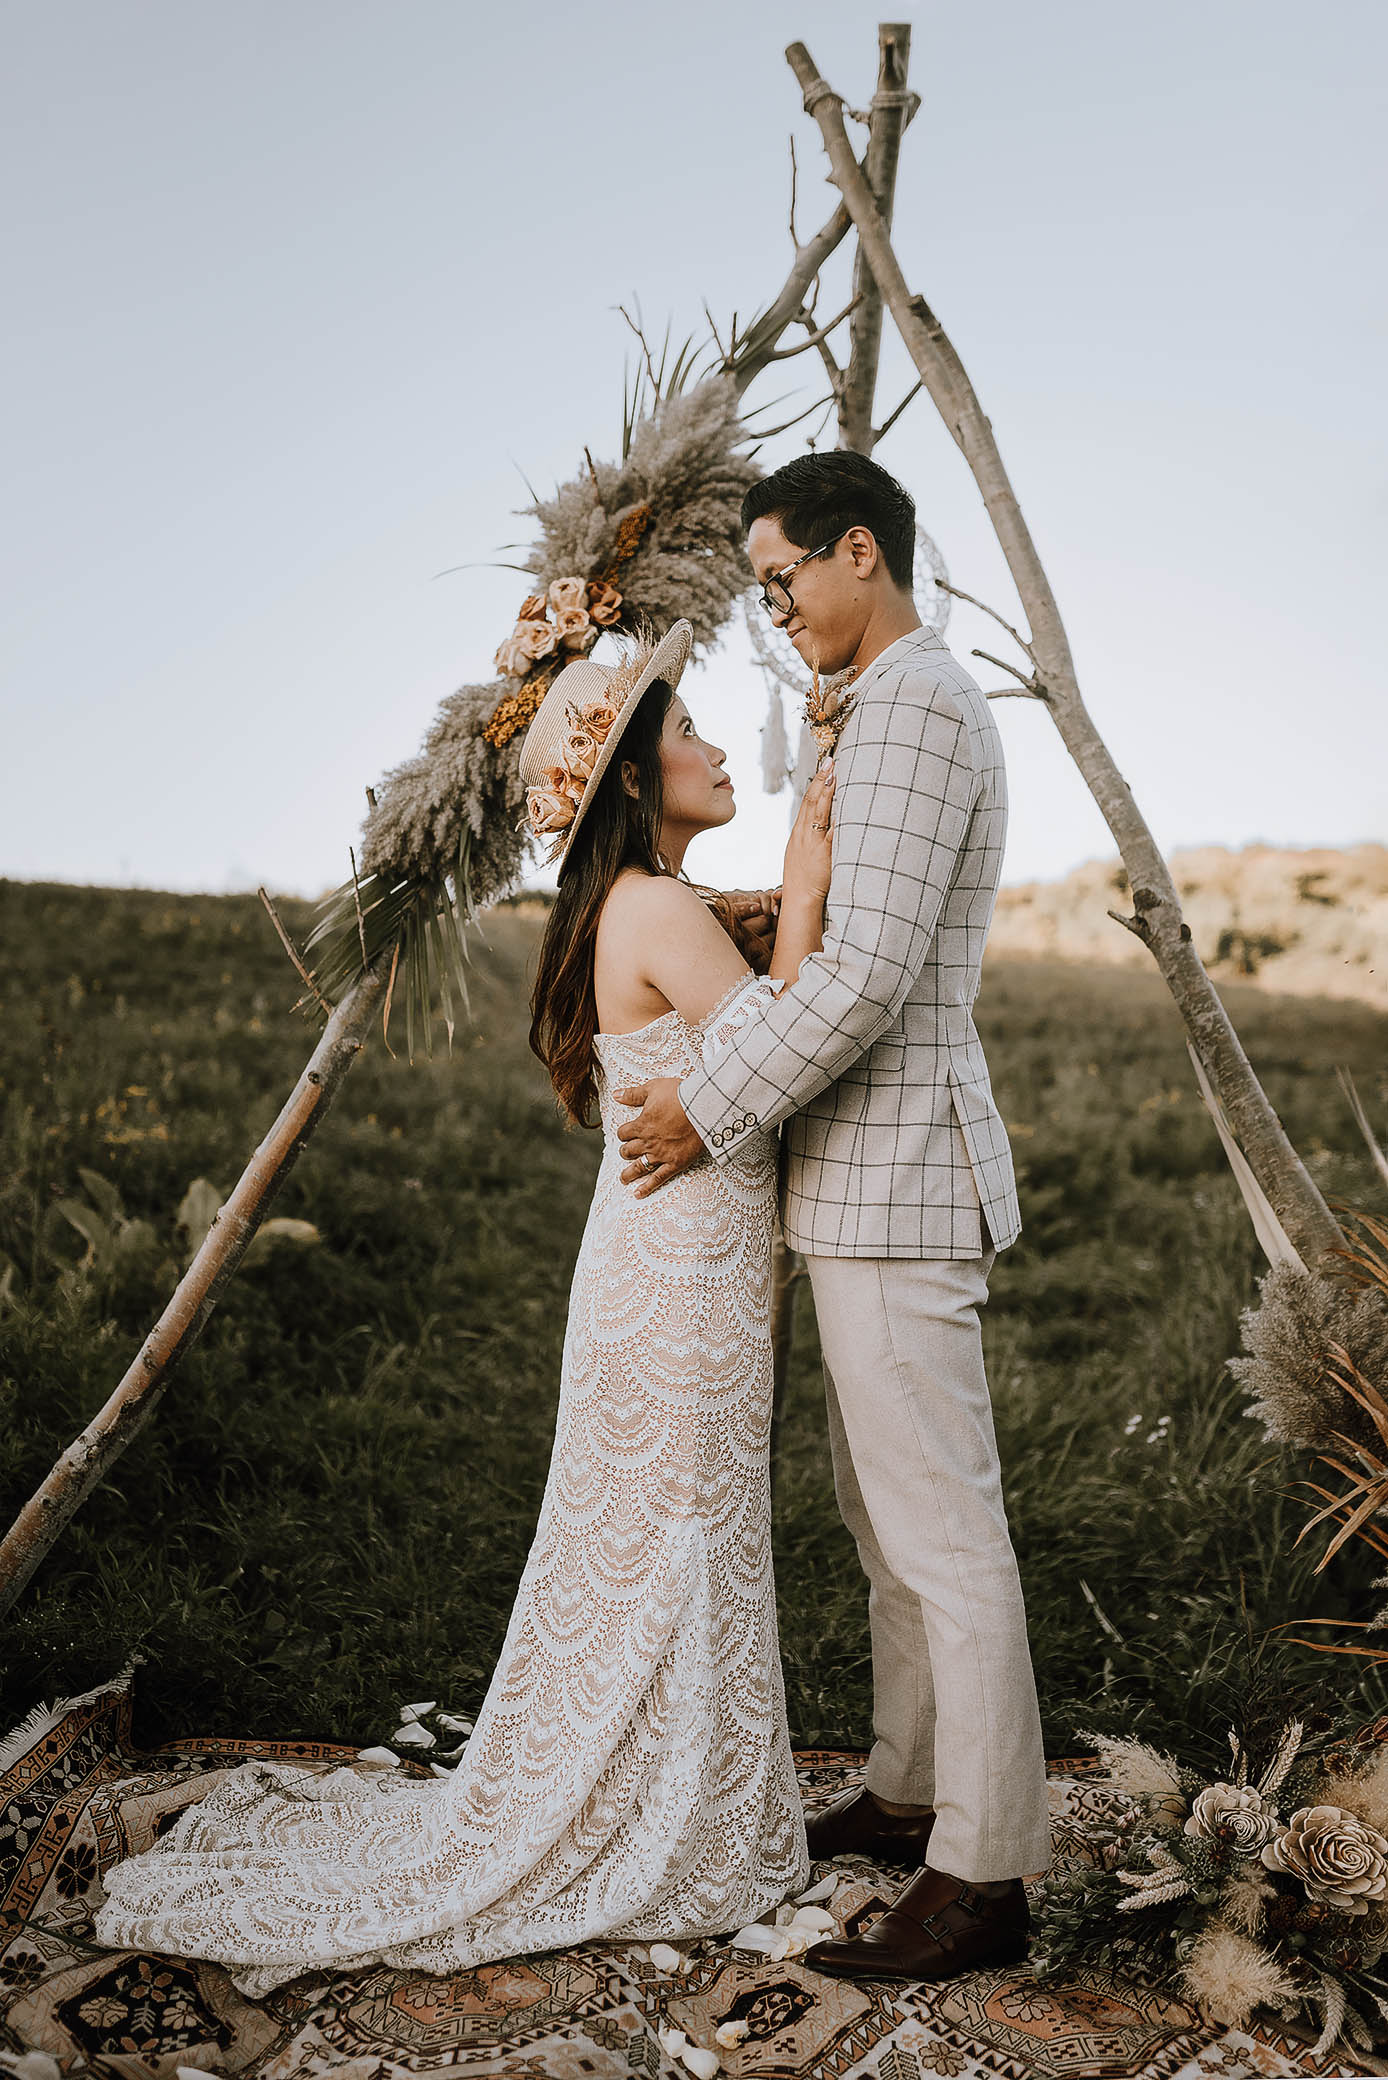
x=646 y=1164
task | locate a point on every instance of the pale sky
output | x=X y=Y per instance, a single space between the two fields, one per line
x=297 y=292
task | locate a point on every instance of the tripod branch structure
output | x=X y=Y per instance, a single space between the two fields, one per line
x=1278 y=1168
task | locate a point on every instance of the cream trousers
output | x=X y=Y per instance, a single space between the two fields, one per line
x=915 y=1458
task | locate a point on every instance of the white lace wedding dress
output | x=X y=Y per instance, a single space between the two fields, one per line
x=630 y=1774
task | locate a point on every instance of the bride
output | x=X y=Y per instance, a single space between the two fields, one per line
x=630 y=1774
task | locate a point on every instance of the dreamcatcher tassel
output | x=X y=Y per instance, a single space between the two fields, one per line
x=806 y=759
x=775 y=751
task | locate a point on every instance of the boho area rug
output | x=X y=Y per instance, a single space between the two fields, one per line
x=75 y=1797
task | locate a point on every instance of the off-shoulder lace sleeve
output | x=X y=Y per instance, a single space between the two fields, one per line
x=745 y=1001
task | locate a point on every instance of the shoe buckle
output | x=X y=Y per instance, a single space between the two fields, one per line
x=937 y=1930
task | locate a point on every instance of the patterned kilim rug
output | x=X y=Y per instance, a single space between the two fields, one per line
x=76 y=1796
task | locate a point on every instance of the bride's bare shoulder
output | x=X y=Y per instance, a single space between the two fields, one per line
x=637 y=900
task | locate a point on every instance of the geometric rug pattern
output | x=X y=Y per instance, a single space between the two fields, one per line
x=76 y=1797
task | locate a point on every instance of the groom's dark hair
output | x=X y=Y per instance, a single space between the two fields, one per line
x=818 y=497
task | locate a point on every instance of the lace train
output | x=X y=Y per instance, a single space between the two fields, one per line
x=630 y=1773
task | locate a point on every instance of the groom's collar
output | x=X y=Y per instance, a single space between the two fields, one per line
x=923 y=637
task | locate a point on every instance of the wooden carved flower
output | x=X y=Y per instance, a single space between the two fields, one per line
x=1340 y=1859
x=1233 y=1814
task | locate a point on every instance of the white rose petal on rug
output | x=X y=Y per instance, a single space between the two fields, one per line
x=385 y=1756
x=784 y=1916
x=412 y=1735
x=702 y=2064
x=418 y=1711
x=451 y=1723
x=758 y=1937
x=731 y=2034
x=813 y=1917
x=672 y=2041
x=825 y=1889
x=665 y=1958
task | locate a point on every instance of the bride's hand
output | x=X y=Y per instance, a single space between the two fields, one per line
x=809 y=851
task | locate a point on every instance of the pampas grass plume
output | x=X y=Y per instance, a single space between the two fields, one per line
x=1360 y=1788
x=1244 y=1900
x=1230 y=1977
x=1133 y=1767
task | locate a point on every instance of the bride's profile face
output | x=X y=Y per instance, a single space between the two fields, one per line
x=698 y=795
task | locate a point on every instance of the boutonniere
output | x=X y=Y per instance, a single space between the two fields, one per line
x=827 y=709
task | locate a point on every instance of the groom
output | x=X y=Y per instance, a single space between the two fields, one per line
x=898 y=1188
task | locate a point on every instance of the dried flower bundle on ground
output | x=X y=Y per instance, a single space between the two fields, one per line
x=1264 y=1890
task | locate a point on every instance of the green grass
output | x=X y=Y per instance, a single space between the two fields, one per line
x=330 y=1509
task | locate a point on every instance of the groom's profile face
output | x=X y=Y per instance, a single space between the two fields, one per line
x=831 y=604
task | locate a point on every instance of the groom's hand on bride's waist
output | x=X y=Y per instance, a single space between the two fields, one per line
x=659 y=1143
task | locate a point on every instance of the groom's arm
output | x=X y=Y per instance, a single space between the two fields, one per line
x=902 y=808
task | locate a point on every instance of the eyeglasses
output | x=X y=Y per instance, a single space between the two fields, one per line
x=776 y=595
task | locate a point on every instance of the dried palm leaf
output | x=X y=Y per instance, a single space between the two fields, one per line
x=1361 y=1120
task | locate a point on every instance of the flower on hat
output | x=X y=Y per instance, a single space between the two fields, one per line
x=567 y=593
x=551 y=805
x=598 y=716
x=581 y=750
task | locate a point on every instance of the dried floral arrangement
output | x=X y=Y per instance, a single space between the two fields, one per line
x=1316 y=1367
x=623 y=549
x=1267 y=1889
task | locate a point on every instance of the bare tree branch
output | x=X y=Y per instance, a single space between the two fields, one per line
x=889 y=422
x=955 y=592
x=769 y=433
x=1028 y=679
x=817 y=334
x=886 y=120
x=292 y=950
x=763 y=333
x=1275 y=1163
x=87 y=1460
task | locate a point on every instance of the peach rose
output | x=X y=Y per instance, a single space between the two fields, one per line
x=527 y=643
x=597 y=717
x=533 y=608
x=580 y=755
x=550 y=810
x=567 y=593
x=573 y=628
x=604 y=603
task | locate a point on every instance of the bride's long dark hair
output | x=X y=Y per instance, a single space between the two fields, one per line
x=620 y=829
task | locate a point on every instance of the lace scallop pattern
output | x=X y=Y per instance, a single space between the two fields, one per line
x=630 y=1773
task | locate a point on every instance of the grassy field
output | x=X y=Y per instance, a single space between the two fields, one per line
x=329 y=1512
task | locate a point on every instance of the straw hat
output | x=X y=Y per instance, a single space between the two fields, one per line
x=577 y=727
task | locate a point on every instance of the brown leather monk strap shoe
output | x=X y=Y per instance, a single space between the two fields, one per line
x=853 y=1824
x=938 y=1927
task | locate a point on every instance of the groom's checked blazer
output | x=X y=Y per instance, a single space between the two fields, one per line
x=893 y=1144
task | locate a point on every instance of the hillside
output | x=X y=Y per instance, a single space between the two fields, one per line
x=330 y=1510
x=1305 y=923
